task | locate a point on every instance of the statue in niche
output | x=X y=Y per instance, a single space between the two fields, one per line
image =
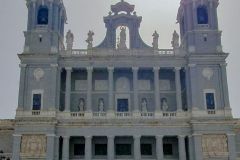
x=144 y=105
x=90 y=39
x=155 y=40
x=123 y=38
x=81 y=105
x=69 y=40
x=101 y=105
x=164 y=104
x=175 y=40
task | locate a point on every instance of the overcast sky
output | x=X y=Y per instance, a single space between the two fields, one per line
x=83 y=15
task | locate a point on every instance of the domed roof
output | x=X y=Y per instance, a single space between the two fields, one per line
x=122 y=6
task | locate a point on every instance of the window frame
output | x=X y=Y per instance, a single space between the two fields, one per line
x=45 y=8
x=207 y=12
x=38 y=91
x=212 y=91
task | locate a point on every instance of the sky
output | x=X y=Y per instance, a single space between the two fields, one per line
x=85 y=15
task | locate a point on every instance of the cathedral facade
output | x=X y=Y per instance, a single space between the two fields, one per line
x=118 y=100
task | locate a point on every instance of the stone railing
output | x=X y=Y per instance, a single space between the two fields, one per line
x=123 y=114
x=169 y=114
x=5 y=156
x=211 y=111
x=99 y=114
x=147 y=114
x=112 y=52
x=77 y=114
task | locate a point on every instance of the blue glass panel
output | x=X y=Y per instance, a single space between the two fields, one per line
x=202 y=15
x=210 y=101
x=122 y=105
x=37 y=101
x=43 y=16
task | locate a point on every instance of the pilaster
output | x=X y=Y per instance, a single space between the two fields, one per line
x=110 y=147
x=68 y=89
x=135 y=89
x=16 y=146
x=22 y=86
x=232 y=146
x=110 y=90
x=89 y=89
x=88 y=148
x=181 y=147
x=198 y=146
x=50 y=146
x=137 y=150
x=157 y=89
x=159 y=147
x=65 y=152
x=178 y=88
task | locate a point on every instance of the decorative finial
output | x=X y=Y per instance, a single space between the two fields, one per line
x=90 y=39
x=69 y=40
x=175 y=40
x=155 y=40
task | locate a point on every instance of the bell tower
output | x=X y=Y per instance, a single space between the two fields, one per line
x=45 y=28
x=199 y=26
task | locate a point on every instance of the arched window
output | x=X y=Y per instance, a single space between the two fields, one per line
x=202 y=15
x=42 y=17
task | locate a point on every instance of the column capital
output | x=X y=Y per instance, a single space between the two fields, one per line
x=231 y=134
x=135 y=69
x=192 y=65
x=110 y=68
x=156 y=69
x=177 y=68
x=89 y=68
x=68 y=68
x=181 y=136
x=88 y=137
x=110 y=136
x=66 y=137
x=223 y=64
x=17 y=135
x=137 y=136
x=159 y=136
x=22 y=65
x=50 y=135
x=54 y=65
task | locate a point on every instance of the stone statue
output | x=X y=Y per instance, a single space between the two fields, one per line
x=175 y=40
x=144 y=105
x=123 y=38
x=101 y=105
x=69 y=40
x=164 y=104
x=90 y=39
x=81 y=105
x=155 y=40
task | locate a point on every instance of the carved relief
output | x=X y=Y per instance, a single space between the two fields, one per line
x=38 y=74
x=207 y=73
x=214 y=145
x=33 y=145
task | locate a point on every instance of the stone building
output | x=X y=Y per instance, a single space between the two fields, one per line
x=122 y=99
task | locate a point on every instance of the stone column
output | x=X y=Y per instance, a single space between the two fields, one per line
x=34 y=16
x=198 y=146
x=191 y=148
x=110 y=89
x=22 y=86
x=225 y=86
x=137 y=147
x=232 y=146
x=68 y=89
x=159 y=147
x=110 y=146
x=58 y=88
x=65 y=152
x=50 y=146
x=89 y=89
x=55 y=92
x=16 y=146
x=135 y=89
x=181 y=147
x=88 y=148
x=50 y=15
x=56 y=148
x=178 y=88
x=157 y=89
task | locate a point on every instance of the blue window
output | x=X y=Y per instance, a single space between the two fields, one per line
x=202 y=15
x=37 y=102
x=42 y=17
x=122 y=105
x=210 y=101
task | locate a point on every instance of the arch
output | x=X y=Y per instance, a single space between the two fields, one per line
x=202 y=14
x=42 y=17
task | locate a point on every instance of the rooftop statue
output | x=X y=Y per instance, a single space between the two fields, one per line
x=123 y=38
x=175 y=40
x=90 y=39
x=155 y=40
x=69 y=40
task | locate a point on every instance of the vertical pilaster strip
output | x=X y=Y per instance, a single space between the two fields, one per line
x=58 y=92
x=225 y=86
x=110 y=89
x=198 y=146
x=56 y=148
x=159 y=147
x=178 y=88
x=65 y=152
x=54 y=86
x=16 y=146
x=232 y=146
x=22 y=87
x=50 y=26
x=110 y=146
x=181 y=147
x=89 y=89
x=68 y=89
x=88 y=147
x=50 y=146
x=137 y=147
x=190 y=148
x=135 y=88
x=157 y=89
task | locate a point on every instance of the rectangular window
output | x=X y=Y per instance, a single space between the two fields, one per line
x=37 y=102
x=122 y=105
x=146 y=149
x=168 y=149
x=100 y=149
x=79 y=149
x=210 y=101
x=123 y=149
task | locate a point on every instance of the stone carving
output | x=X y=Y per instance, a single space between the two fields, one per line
x=123 y=38
x=214 y=145
x=38 y=74
x=90 y=39
x=33 y=146
x=81 y=105
x=175 y=40
x=69 y=40
x=155 y=40
x=144 y=105
x=164 y=104
x=101 y=105
x=207 y=73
